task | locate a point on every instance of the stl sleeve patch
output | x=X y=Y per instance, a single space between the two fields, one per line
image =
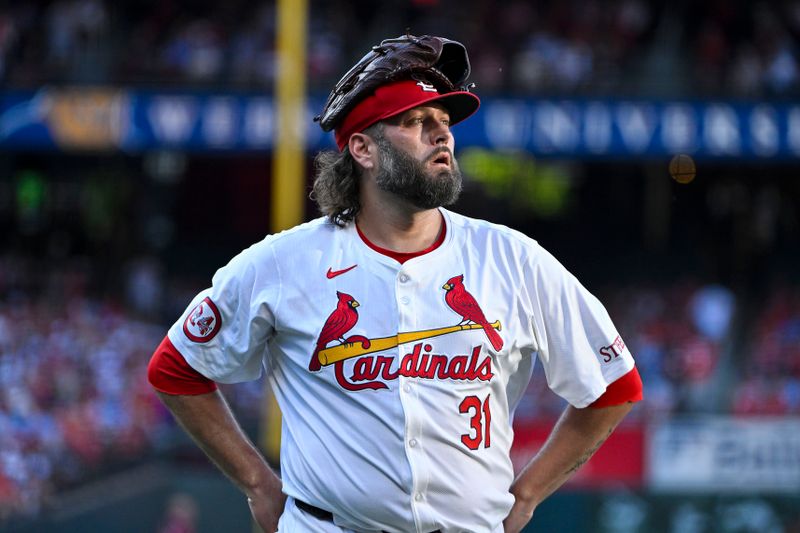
x=203 y=322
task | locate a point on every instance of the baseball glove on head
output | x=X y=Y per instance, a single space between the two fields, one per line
x=435 y=60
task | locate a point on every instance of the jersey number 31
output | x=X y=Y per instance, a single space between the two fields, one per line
x=480 y=422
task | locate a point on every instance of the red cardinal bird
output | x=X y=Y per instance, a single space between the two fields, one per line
x=465 y=305
x=342 y=320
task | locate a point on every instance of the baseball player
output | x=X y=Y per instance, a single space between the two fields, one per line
x=398 y=336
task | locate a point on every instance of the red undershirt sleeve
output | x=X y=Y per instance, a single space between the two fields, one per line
x=169 y=372
x=628 y=388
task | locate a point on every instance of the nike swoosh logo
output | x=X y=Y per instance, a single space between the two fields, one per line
x=333 y=273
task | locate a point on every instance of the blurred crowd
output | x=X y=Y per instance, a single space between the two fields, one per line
x=74 y=399
x=575 y=46
x=676 y=333
x=744 y=46
x=770 y=381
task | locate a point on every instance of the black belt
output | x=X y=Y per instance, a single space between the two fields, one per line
x=316 y=512
x=322 y=514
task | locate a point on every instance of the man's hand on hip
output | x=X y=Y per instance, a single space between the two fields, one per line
x=266 y=508
x=521 y=513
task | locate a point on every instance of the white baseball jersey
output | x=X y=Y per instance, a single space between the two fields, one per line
x=398 y=382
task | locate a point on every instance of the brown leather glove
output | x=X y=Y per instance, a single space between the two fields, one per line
x=435 y=60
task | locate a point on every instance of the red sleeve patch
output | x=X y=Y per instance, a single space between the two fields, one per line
x=169 y=372
x=203 y=322
x=628 y=388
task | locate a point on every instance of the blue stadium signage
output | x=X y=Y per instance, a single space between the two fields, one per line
x=586 y=128
x=103 y=119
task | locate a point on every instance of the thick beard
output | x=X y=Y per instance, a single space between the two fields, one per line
x=407 y=178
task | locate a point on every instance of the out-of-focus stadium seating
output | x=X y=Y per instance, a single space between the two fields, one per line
x=74 y=398
x=618 y=47
x=676 y=333
x=770 y=373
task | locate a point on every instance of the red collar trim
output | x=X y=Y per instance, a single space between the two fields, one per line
x=402 y=257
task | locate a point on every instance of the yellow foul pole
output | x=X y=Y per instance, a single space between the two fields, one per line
x=288 y=167
x=288 y=173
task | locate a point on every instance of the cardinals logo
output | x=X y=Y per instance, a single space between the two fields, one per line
x=464 y=304
x=340 y=321
x=203 y=322
x=421 y=361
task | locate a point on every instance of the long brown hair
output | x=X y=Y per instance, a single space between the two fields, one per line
x=336 y=183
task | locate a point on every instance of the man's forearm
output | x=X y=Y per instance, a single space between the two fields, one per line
x=209 y=421
x=207 y=418
x=575 y=438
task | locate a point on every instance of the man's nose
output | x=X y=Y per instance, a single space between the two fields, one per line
x=440 y=134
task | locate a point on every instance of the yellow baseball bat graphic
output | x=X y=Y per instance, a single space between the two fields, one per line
x=348 y=350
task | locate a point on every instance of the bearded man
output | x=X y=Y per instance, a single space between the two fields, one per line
x=398 y=338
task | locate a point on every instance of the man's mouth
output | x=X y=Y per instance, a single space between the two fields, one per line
x=442 y=158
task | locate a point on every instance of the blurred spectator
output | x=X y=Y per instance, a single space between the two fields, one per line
x=76 y=38
x=180 y=516
x=145 y=286
x=712 y=309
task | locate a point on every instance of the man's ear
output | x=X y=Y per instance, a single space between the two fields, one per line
x=363 y=149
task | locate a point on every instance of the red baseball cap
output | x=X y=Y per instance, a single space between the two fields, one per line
x=399 y=96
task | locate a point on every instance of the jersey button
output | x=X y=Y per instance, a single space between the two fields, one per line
x=418 y=496
x=403 y=278
x=404 y=300
x=407 y=387
x=412 y=442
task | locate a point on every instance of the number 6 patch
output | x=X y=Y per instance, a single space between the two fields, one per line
x=203 y=322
